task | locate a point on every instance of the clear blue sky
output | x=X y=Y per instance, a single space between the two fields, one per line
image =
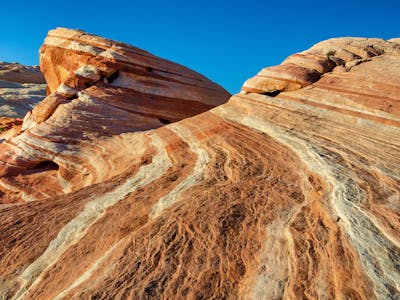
x=227 y=41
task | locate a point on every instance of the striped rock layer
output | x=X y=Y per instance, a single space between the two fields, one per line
x=97 y=88
x=21 y=88
x=295 y=196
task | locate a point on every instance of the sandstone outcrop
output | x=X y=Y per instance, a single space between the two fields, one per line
x=303 y=69
x=21 y=88
x=15 y=72
x=97 y=88
x=290 y=190
x=9 y=127
x=152 y=90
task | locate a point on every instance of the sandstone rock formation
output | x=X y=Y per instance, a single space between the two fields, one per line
x=294 y=196
x=21 y=88
x=97 y=88
x=9 y=127
x=15 y=72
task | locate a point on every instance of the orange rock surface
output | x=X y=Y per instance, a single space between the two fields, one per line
x=289 y=190
x=98 y=88
x=9 y=127
x=14 y=72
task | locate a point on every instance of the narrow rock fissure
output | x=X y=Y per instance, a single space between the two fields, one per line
x=164 y=121
x=43 y=166
x=46 y=165
x=75 y=96
x=272 y=93
x=112 y=77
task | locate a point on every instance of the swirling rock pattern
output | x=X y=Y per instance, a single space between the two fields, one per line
x=294 y=196
x=97 y=88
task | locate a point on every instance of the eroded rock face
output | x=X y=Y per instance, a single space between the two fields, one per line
x=21 y=88
x=15 y=72
x=294 y=196
x=9 y=127
x=303 y=69
x=97 y=88
x=152 y=90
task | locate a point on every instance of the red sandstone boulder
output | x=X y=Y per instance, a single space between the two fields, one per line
x=152 y=89
x=97 y=88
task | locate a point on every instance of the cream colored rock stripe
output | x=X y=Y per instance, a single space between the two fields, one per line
x=114 y=52
x=72 y=232
x=193 y=178
x=24 y=196
x=77 y=46
x=196 y=176
x=89 y=272
x=343 y=189
x=274 y=256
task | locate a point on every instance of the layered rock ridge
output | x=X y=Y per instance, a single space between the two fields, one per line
x=96 y=88
x=21 y=88
x=338 y=55
x=289 y=195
